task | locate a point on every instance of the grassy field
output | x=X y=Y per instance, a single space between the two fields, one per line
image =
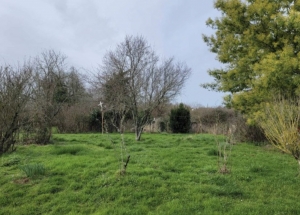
x=167 y=174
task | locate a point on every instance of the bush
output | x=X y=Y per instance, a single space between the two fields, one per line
x=205 y=121
x=74 y=119
x=280 y=123
x=162 y=126
x=95 y=121
x=180 y=119
x=245 y=132
x=42 y=135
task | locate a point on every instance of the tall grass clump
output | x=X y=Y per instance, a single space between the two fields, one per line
x=33 y=170
x=72 y=150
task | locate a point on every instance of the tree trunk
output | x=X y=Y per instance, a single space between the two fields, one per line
x=138 y=133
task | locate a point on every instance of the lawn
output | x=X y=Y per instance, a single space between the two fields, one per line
x=167 y=174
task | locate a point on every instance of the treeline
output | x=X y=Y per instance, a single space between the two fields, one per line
x=45 y=92
x=132 y=85
x=33 y=97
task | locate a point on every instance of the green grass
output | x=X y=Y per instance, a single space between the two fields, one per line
x=167 y=174
x=33 y=170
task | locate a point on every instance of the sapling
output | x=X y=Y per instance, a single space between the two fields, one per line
x=224 y=145
x=123 y=157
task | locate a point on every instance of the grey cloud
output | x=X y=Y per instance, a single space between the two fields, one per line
x=85 y=30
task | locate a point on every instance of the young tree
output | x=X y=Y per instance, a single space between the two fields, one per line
x=258 y=42
x=180 y=119
x=15 y=90
x=134 y=80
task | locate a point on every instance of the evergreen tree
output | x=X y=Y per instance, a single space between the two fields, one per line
x=259 y=44
x=180 y=119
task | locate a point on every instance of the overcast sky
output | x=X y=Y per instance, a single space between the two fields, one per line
x=84 y=30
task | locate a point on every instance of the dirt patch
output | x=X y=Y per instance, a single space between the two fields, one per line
x=22 y=181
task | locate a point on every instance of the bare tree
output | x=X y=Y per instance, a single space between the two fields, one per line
x=15 y=89
x=50 y=92
x=138 y=82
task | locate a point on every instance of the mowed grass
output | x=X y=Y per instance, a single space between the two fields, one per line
x=167 y=174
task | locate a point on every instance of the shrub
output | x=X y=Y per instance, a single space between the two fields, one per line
x=205 y=119
x=280 y=123
x=42 y=135
x=180 y=119
x=95 y=120
x=162 y=126
x=74 y=119
x=247 y=133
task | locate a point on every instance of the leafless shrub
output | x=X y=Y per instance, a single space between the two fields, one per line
x=248 y=133
x=207 y=118
x=74 y=119
x=204 y=120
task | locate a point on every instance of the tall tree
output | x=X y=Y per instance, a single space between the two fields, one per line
x=137 y=81
x=258 y=42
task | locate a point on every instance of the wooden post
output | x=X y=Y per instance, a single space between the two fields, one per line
x=102 y=117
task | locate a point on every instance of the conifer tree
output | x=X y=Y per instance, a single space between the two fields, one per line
x=180 y=119
x=259 y=44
